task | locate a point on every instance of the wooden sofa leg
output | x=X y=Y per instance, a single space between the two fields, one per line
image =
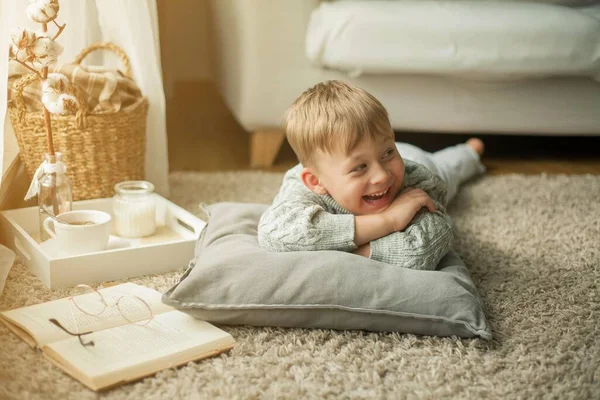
x=264 y=146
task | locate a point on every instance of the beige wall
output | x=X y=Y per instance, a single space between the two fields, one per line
x=202 y=133
x=185 y=47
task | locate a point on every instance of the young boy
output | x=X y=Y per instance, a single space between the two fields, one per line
x=354 y=192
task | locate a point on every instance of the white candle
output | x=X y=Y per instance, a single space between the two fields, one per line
x=134 y=209
x=134 y=219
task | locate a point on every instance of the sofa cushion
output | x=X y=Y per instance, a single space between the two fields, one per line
x=471 y=39
x=234 y=281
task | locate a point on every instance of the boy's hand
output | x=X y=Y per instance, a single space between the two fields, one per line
x=395 y=218
x=404 y=207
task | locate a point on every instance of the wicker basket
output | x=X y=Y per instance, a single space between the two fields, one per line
x=99 y=150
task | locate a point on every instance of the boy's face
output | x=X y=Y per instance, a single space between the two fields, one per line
x=366 y=180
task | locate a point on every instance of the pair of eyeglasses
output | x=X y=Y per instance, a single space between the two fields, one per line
x=79 y=335
x=91 y=302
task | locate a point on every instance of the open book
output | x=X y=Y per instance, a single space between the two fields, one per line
x=122 y=351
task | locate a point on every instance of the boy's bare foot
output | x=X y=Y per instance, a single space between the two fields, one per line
x=477 y=145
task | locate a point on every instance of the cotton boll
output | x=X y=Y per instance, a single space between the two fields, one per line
x=36 y=47
x=46 y=51
x=69 y=103
x=56 y=81
x=55 y=94
x=22 y=37
x=21 y=54
x=60 y=103
x=43 y=11
x=50 y=100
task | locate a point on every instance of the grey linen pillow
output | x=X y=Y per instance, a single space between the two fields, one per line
x=232 y=280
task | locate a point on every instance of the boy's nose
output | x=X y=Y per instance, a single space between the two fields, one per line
x=380 y=175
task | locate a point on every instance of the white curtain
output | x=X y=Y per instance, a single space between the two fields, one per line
x=7 y=18
x=133 y=26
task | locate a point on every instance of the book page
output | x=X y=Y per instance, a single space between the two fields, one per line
x=35 y=319
x=127 y=351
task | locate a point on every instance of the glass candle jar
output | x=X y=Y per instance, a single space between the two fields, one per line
x=134 y=209
x=55 y=194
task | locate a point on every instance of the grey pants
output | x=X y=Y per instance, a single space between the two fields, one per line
x=455 y=164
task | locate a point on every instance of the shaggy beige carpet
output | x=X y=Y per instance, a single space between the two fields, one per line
x=532 y=245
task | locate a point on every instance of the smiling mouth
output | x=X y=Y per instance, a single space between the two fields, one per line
x=376 y=196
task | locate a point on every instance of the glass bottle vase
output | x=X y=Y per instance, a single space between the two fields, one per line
x=55 y=194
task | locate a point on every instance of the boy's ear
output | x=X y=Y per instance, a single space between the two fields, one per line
x=312 y=182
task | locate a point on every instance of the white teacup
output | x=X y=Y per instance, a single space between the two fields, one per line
x=79 y=237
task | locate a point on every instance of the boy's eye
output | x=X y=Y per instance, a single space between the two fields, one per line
x=359 y=167
x=388 y=153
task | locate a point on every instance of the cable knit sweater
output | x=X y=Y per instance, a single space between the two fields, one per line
x=300 y=220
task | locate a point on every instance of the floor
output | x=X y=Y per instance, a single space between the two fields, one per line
x=204 y=136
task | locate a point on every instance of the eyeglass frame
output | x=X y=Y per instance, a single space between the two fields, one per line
x=72 y=303
x=79 y=335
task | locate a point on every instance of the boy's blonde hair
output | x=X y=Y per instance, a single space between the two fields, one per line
x=334 y=116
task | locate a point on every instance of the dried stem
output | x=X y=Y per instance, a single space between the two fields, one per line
x=47 y=121
x=60 y=29
x=48 y=124
x=35 y=71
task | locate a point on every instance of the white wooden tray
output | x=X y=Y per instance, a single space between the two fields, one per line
x=170 y=248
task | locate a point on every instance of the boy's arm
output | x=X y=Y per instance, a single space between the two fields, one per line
x=305 y=227
x=395 y=218
x=428 y=237
x=421 y=246
x=370 y=227
x=299 y=221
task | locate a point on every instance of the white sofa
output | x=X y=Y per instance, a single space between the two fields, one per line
x=263 y=67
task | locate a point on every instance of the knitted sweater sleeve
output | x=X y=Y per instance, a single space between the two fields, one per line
x=428 y=237
x=300 y=220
